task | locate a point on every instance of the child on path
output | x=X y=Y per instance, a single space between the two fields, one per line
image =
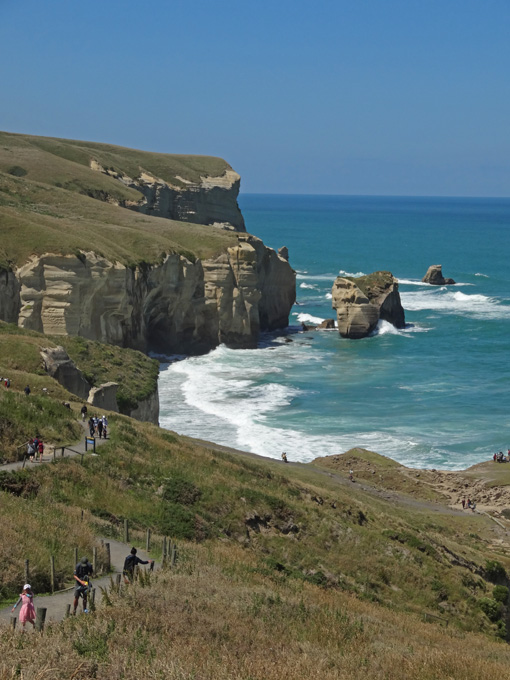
x=27 y=611
x=40 y=446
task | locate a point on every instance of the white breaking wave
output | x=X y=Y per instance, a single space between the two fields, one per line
x=308 y=318
x=386 y=328
x=446 y=300
x=311 y=286
x=350 y=274
x=485 y=276
x=411 y=282
x=328 y=296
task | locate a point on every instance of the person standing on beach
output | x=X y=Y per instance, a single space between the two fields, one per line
x=27 y=611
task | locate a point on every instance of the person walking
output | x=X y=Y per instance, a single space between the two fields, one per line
x=131 y=562
x=27 y=611
x=82 y=575
x=31 y=450
x=83 y=412
x=27 y=390
x=100 y=427
x=105 y=426
x=40 y=447
x=91 y=426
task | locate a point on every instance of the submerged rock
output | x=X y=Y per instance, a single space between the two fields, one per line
x=361 y=302
x=435 y=277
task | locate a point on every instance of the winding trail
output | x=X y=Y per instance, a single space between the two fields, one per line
x=56 y=604
x=70 y=452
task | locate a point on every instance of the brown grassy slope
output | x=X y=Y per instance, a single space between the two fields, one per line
x=217 y=616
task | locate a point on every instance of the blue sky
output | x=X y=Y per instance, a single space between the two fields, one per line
x=398 y=97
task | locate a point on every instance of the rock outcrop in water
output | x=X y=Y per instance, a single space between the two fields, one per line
x=177 y=306
x=361 y=302
x=435 y=277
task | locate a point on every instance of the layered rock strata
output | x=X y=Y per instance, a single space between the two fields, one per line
x=435 y=277
x=211 y=201
x=361 y=302
x=176 y=306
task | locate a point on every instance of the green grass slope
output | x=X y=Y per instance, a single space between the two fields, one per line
x=47 y=203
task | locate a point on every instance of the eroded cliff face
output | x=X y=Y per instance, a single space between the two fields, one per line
x=211 y=201
x=177 y=306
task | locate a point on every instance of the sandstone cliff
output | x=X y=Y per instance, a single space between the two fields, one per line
x=175 y=306
x=361 y=302
x=211 y=200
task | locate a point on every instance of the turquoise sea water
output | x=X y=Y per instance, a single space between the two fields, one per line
x=435 y=394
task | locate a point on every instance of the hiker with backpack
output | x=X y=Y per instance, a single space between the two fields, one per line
x=82 y=577
x=131 y=562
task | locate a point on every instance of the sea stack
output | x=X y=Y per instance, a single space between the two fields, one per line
x=361 y=302
x=435 y=277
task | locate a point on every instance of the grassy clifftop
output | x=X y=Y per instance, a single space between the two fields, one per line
x=47 y=203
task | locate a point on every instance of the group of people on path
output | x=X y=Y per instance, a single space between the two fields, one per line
x=468 y=504
x=35 y=449
x=82 y=574
x=97 y=426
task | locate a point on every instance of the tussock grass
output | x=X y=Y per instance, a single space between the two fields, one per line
x=206 y=620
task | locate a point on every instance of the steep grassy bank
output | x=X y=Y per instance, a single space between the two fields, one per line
x=284 y=570
x=218 y=616
x=20 y=361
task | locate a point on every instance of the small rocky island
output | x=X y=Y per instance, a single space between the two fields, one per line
x=435 y=277
x=361 y=302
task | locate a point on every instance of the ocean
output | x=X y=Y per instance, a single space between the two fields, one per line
x=432 y=395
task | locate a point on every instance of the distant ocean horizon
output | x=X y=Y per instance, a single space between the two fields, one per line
x=432 y=395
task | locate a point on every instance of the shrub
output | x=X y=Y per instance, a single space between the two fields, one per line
x=494 y=570
x=490 y=608
x=500 y=594
x=181 y=490
x=17 y=171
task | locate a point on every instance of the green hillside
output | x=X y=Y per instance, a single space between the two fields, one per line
x=284 y=570
x=48 y=203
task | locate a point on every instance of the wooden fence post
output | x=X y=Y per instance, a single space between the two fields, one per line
x=126 y=531
x=119 y=576
x=94 y=559
x=27 y=572
x=173 y=556
x=75 y=557
x=164 y=550
x=52 y=573
x=148 y=541
x=40 y=618
x=108 y=557
x=13 y=622
x=68 y=611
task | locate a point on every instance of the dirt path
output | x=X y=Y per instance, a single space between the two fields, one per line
x=56 y=604
x=71 y=452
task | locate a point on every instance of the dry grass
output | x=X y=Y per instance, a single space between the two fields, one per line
x=210 y=620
